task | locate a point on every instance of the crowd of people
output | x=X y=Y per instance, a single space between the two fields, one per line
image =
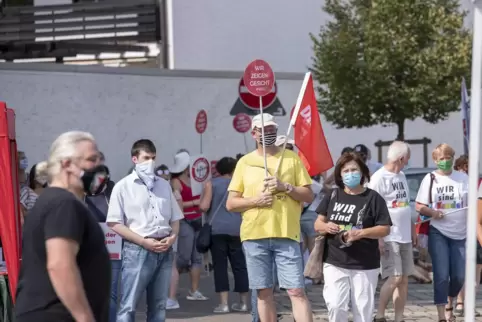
x=262 y=220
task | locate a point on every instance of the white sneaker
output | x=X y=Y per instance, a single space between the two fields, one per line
x=196 y=296
x=172 y=304
x=221 y=308
x=239 y=307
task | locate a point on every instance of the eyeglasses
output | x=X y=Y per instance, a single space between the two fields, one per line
x=163 y=172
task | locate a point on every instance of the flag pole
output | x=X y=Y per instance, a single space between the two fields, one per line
x=262 y=137
x=296 y=111
x=474 y=142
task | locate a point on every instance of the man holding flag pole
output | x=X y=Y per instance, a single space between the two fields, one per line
x=271 y=206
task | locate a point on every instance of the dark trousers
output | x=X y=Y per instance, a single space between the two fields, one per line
x=226 y=247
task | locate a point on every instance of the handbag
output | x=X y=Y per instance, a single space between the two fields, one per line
x=203 y=242
x=314 y=265
x=423 y=228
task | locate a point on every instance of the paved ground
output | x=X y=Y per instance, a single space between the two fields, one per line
x=419 y=308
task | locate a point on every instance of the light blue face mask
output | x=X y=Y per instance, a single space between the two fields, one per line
x=23 y=164
x=352 y=179
x=407 y=166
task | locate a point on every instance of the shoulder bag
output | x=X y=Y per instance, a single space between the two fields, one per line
x=203 y=242
x=314 y=265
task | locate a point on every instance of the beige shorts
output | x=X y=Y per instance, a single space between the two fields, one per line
x=397 y=259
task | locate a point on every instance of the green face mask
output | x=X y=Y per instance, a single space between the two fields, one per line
x=445 y=165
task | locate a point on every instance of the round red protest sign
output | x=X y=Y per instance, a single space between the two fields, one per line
x=201 y=121
x=200 y=169
x=258 y=78
x=251 y=101
x=242 y=123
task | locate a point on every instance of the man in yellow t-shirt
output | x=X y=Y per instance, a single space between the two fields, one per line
x=271 y=209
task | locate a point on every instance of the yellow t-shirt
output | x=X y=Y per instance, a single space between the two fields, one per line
x=282 y=220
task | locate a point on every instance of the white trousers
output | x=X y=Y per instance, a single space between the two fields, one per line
x=343 y=286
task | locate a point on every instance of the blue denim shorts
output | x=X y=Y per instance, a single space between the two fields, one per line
x=263 y=255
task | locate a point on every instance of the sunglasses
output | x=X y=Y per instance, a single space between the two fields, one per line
x=162 y=172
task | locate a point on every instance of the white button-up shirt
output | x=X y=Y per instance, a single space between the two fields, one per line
x=148 y=213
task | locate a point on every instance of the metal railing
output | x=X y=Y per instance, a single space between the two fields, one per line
x=82 y=28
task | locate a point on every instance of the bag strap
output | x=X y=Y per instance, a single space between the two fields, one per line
x=219 y=207
x=432 y=179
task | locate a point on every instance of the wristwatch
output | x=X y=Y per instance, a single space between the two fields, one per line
x=288 y=188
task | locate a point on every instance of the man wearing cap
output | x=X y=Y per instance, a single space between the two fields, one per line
x=271 y=207
x=365 y=154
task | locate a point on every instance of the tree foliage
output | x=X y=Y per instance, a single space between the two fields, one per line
x=387 y=61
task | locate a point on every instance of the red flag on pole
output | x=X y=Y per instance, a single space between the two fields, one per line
x=309 y=137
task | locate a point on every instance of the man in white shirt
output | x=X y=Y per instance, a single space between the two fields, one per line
x=396 y=248
x=143 y=210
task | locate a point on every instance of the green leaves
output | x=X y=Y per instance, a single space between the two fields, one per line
x=387 y=61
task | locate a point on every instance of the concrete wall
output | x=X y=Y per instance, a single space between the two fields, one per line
x=121 y=105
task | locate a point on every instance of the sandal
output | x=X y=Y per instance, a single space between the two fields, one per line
x=459 y=308
x=450 y=319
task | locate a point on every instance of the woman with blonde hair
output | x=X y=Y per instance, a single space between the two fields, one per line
x=38 y=177
x=442 y=196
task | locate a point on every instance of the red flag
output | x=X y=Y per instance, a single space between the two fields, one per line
x=309 y=137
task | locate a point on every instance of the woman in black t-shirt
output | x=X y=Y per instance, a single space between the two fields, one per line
x=353 y=218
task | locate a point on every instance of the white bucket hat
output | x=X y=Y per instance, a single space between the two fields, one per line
x=181 y=162
x=281 y=139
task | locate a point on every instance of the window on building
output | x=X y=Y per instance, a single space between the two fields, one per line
x=13 y=3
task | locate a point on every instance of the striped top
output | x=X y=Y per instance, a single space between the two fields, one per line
x=28 y=197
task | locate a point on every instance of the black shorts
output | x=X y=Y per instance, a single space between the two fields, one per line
x=479 y=254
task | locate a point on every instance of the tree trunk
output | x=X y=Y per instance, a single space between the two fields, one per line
x=401 y=130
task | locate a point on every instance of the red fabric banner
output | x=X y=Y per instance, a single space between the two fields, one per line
x=10 y=227
x=309 y=136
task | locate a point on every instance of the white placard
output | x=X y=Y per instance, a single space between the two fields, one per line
x=113 y=241
x=200 y=169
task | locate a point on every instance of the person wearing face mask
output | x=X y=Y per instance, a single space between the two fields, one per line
x=98 y=205
x=353 y=218
x=27 y=196
x=442 y=196
x=144 y=212
x=396 y=248
x=62 y=240
x=271 y=208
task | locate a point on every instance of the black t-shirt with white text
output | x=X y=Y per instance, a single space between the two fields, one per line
x=364 y=210
x=59 y=214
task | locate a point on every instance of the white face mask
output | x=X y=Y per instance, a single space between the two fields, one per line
x=146 y=167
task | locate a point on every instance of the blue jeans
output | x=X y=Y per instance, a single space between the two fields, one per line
x=143 y=270
x=448 y=261
x=114 y=286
